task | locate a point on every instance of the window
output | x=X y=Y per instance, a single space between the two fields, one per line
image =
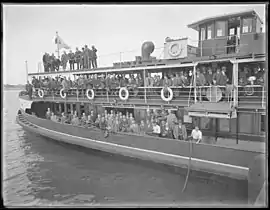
x=220 y=28
x=224 y=125
x=209 y=32
x=263 y=121
x=232 y=31
x=247 y=25
x=203 y=33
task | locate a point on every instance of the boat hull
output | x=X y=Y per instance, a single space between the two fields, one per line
x=213 y=159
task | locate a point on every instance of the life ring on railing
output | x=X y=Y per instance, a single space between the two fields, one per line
x=214 y=94
x=40 y=93
x=126 y=95
x=61 y=93
x=249 y=90
x=92 y=94
x=170 y=94
x=175 y=50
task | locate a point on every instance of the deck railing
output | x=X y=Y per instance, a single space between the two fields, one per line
x=248 y=96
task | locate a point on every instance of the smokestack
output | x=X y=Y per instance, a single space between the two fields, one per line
x=147 y=48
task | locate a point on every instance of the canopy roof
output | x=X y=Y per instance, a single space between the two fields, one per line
x=195 y=25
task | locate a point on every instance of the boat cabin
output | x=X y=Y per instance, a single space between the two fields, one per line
x=239 y=32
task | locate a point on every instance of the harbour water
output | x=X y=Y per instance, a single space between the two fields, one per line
x=43 y=172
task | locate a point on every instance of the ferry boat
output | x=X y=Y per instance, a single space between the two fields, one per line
x=233 y=125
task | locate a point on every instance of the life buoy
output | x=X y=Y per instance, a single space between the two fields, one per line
x=170 y=94
x=61 y=93
x=249 y=90
x=120 y=93
x=92 y=94
x=40 y=93
x=173 y=52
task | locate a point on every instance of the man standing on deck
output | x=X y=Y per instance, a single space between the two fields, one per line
x=78 y=57
x=29 y=89
x=48 y=114
x=45 y=62
x=196 y=135
x=64 y=60
x=94 y=57
x=82 y=59
x=71 y=59
x=86 y=54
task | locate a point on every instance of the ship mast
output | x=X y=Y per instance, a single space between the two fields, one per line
x=26 y=68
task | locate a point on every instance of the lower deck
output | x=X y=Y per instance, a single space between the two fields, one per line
x=248 y=126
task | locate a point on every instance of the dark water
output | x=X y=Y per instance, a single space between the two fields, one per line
x=40 y=171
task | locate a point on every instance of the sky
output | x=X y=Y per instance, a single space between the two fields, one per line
x=28 y=30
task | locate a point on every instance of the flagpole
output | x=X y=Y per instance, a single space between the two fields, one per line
x=58 y=53
x=26 y=68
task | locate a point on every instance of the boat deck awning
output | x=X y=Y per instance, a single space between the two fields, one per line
x=212 y=110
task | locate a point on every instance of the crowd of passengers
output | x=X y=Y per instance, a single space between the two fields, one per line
x=162 y=124
x=204 y=77
x=84 y=59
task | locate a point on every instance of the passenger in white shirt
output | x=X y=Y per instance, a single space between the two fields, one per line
x=156 y=128
x=196 y=134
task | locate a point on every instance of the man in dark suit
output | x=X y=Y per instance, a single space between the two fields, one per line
x=78 y=57
x=71 y=59
x=94 y=57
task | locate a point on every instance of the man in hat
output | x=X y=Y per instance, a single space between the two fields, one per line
x=86 y=54
x=82 y=58
x=71 y=59
x=78 y=57
x=94 y=57
x=64 y=60
x=29 y=89
x=171 y=119
x=179 y=131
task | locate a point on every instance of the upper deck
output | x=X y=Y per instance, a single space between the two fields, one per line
x=231 y=36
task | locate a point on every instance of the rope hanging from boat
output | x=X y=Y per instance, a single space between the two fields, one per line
x=189 y=163
x=170 y=94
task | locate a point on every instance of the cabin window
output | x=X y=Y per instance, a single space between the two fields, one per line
x=209 y=32
x=203 y=34
x=224 y=125
x=206 y=123
x=263 y=121
x=245 y=123
x=220 y=28
x=247 y=25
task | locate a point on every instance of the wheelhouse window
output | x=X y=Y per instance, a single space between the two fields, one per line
x=232 y=31
x=209 y=32
x=220 y=28
x=247 y=25
x=203 y=33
